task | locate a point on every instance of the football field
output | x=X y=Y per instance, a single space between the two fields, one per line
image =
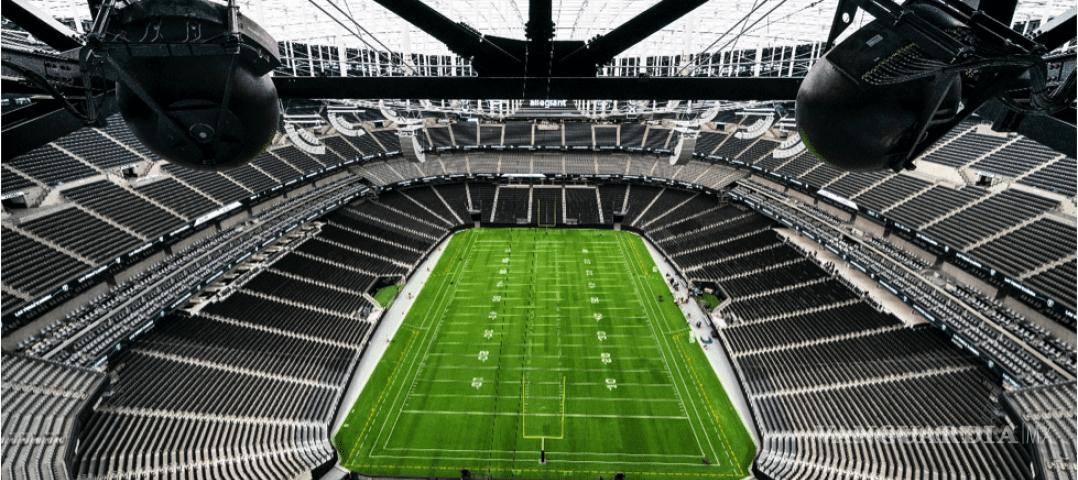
x=529 y=340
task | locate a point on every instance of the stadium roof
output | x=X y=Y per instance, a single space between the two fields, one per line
x=716 y=26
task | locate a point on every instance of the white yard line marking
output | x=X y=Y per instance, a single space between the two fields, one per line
x=447 y=287
x=549 y=460
x=539 y=369
x=572 y=384
x=548 y=397
x=572 y=316
x=516 y=453
x=484 y=413
x=655 y=337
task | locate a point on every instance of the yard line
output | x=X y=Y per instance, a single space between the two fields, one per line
x=586 y=345
x=482 y=413
x=471 y=355
x=703 y=395
x=476 y=343
x=534 y=369
x=592 y=334
x=662 y=352
x=463 y=314
x=551 y=460
x=548 y=397
x=431 y=336
x=559 y=453
x=620 y=317
x=572 y=384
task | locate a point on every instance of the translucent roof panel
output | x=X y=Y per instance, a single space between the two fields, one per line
x=715 y=26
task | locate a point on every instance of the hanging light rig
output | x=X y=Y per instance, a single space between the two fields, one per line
x=192 y=78
x=884 y=95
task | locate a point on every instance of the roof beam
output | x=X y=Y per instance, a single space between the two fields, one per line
x=539 y=32
x=461 y=39
x=540 y=24
x=41 y=122
x=1002 y=10
x=603 y=49
x=41 y=25
x=1057 y=31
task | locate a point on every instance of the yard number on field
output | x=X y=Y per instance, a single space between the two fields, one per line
x=483 y=355
x=477 y=382
x=611 y=384
x=601 y=335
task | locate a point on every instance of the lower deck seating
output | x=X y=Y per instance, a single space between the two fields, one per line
x=247 y=386
x=1046 y=415
x=837 y=388
x=512 y=205
x=640 y=198
x=582 y=206
x=803 y=457
x=612 y=199
x=431 y=202
x=456 y=197
x=42 y=403
x=547 y=206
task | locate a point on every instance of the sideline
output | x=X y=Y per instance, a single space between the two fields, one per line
x=715 y=354
x=386 y=328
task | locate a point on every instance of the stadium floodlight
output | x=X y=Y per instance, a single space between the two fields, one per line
x=894 y=87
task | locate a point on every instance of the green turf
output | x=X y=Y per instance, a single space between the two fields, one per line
x=531 y=338
x=385 y=295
